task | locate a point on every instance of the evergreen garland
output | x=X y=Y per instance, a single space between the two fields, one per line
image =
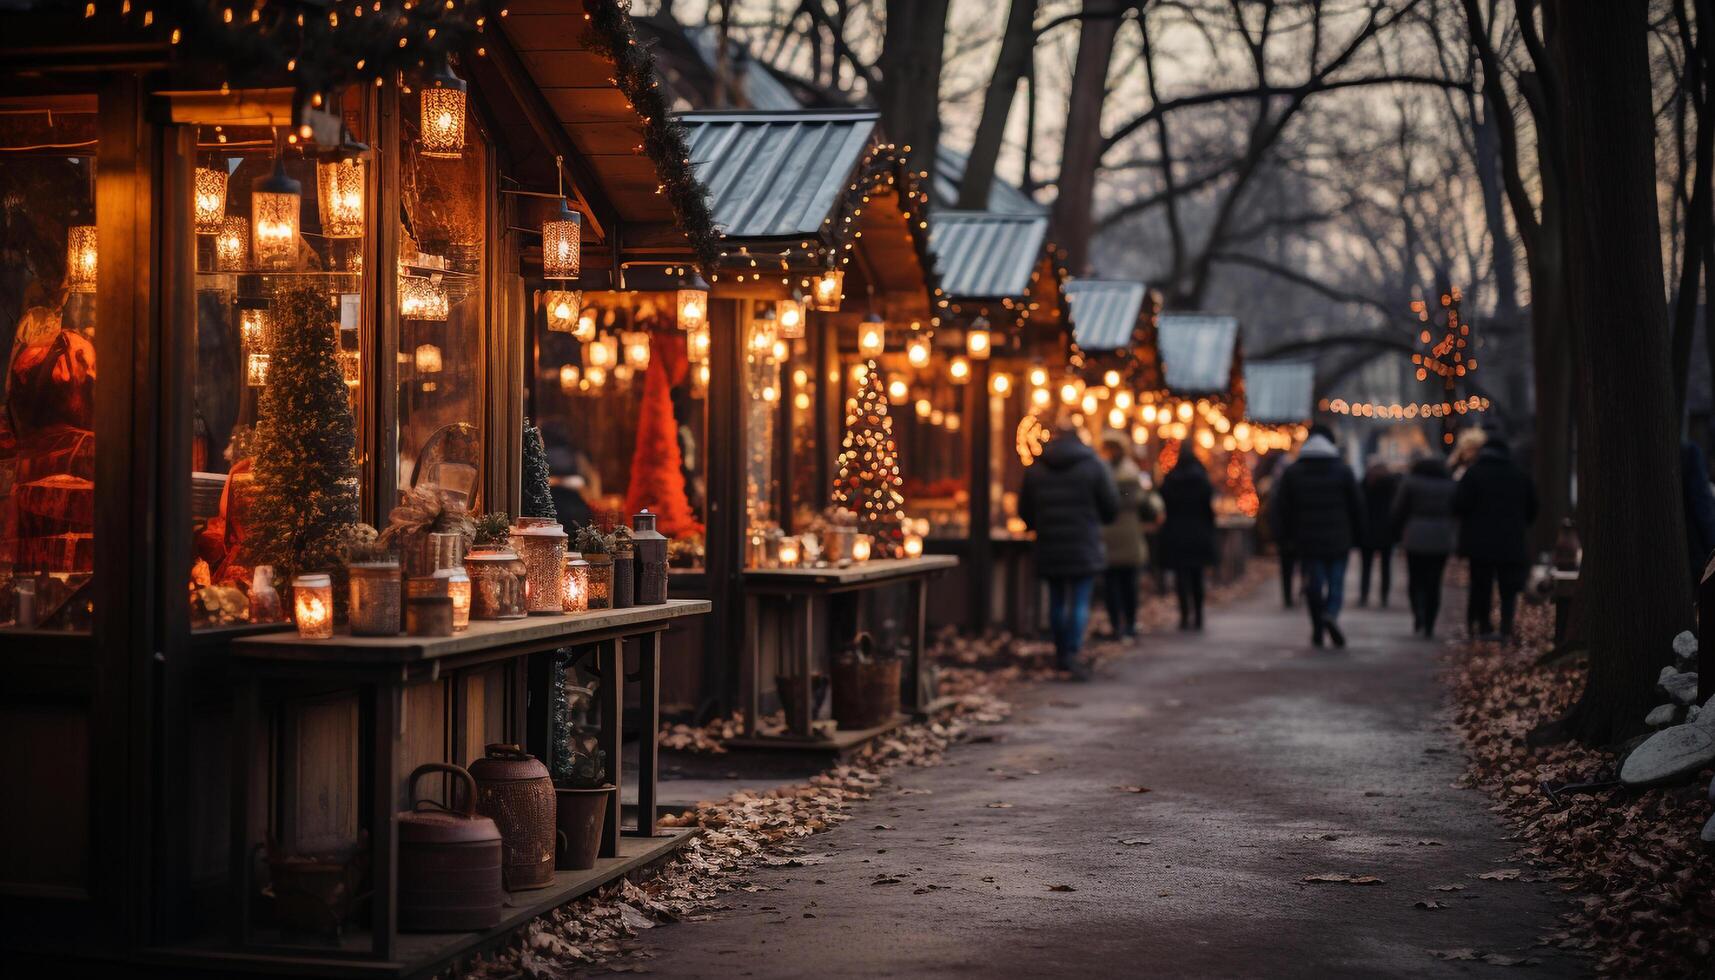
x=537 y=500
x=305 y=512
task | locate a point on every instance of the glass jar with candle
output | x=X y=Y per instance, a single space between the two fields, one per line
x=312 y=606
x=913 y=545
x=496 y=582
x=376 y=597
x=860 y=547
x=577 y=588
x=542 y=547
x=788 y=552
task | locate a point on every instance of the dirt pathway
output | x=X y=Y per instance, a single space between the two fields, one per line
x=1265 y=762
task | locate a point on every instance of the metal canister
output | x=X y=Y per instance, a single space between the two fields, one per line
x=513 y=789
x=651 y=548
x=624 y=577
x=449 y=862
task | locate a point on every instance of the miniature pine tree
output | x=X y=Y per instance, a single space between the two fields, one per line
x=305 y=444
x=657 y=468
x=537 y=501
x=866 y=477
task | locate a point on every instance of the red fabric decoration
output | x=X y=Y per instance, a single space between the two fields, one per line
x=657 y=469
x=53 y=383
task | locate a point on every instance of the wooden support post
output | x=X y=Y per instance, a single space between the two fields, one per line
x=648 y=756
x=539 y=697
x=978 y=577
x=383 y=832
x=915 y=700
x=1706 y=635
x=246 y=698
x=612 y=736
x=751 y=667
x=807 y=667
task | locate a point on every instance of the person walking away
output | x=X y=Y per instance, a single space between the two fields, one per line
x=1123 y=540
x=1381 y=485
x=1322 y=515
x=1422 y=521
x=1282 y=547
x=1495 y=503
x=1188 y=532
x=1066 y=497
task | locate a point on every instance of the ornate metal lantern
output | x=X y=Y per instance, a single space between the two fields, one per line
x=81 y=258
x=210 y=200
x=443 y=111
x=274 y=204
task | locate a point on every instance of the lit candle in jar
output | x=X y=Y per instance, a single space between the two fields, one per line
x=577 y=591
x=788 y=552
x=860 y=548
x=458 y=586
x=312 y=603
x=913 y=546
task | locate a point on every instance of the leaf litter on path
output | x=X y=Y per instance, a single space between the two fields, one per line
x=1342 y=878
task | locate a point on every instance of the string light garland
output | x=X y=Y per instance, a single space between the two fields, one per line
x=1445 y=359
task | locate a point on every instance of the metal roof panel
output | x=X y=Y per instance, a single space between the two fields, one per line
x=1280 y=393
x=1197 y=351
x=1104 y=312
x=776 y=174
x=983 y=254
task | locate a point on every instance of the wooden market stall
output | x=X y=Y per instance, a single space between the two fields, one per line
x=307 y=255
x=1202 y=360
x=1003 y=306
x=823 y=282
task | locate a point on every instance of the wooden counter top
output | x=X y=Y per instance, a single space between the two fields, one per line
x=878 y=571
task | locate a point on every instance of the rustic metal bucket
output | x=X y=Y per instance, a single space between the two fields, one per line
x=449 y=862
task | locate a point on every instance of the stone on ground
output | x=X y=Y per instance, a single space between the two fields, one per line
x=1679 y=686
x=1662 y=715
x=1672 y=753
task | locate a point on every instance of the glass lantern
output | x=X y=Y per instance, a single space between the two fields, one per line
x=81 y=258
x=789 y=315
x=564 y=308
x=339 y=196
x=978 y=340
x=693 y=302
x=312 y=606
x=828 y=290
x=872 y=335
x=562 y=243
x=232 y=244
x=274 y=204
x=577 y=589
x=210 y=192
x=443 y=110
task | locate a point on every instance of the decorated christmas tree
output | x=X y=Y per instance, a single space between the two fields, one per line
x=866 y=477
x=657 y=468
x=537 y=501
x=305 y=511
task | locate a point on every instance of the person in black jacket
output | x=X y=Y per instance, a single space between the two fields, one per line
x=1188 y=534
x=1068 y=494
x=1423 y=523
x=1495 y=504
x=1381 y=485
x=1322 y=515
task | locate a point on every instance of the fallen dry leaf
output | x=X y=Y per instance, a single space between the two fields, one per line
x=1000 y=806
x=1061 y=888
x=1135 y=841
x=1430 y=905
x=1503 y=874
x=1341 y=878
x=1132 y=789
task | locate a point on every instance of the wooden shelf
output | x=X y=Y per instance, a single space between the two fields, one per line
x=421 y=953
x=482 y=635
x=876 y=572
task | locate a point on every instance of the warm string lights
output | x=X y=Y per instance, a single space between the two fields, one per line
x=866 y=478
x=1448 y=356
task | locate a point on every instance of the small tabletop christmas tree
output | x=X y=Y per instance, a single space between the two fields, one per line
x=536 y=500
x=657 y=468
x=305 y=513
x=866 y=477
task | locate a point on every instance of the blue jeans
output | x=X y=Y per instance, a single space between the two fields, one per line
x=1069 y=613
x=1325 y=584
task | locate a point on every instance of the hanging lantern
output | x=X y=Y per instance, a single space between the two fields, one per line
x=1111 y=379
x=565 y=310
x=1038 y=377
x=596 y=376
x=339 y=195
x=253 y=328
x=232 y=244
x=917 y=352
x=422 y=298
x=562 y=243
x=602 y=353
x=1000 y=385
x=350 y=368
x=569 y=378
x=828 y=290
x=693 y=302
x=81 y=255
x=762 y=332
x=1039 y=397
x=210 y=193
x=872 y=335
x=897 y=392
x=443 y=104
x=428 y=358
x=924 y=408
x=1122 y=400
x=959 y=370
x=585 y=331
x=700 y=381
x=274 y=204
x=789 y=315
x=978 y=340
x=952 y=421
x=636 y=349
x=256 y=369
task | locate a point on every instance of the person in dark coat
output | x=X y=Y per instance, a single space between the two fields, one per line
x=1282 y=547
x=1495 y=503
x=1699 y=508
x=1068 y=494
x=1381 y=485
x=1322 y=515
x=1188 y=533
x=1423 y=523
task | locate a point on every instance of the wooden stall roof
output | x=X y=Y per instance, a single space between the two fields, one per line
x=985 y=254
x=1280 y=392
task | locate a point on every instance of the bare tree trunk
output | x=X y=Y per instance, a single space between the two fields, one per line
x=1016 y=47
x=1700 y=207
x=909 y=94
x=1634 y=529
x=1073 y=217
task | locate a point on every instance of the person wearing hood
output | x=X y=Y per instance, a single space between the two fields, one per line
x=1188 y=533
x=1068 y=494
x=1422 y=521
x=1123 y=540
x=1495 y=503
x=1322 y=515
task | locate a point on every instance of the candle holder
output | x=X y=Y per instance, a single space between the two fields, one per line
x=497 y=578
x=600 y=580
x=861 y=548
x=542 y=547
x=577 y=583
x=913 y=545
x=788 y=552
x=376 y=593
x=312 y=606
